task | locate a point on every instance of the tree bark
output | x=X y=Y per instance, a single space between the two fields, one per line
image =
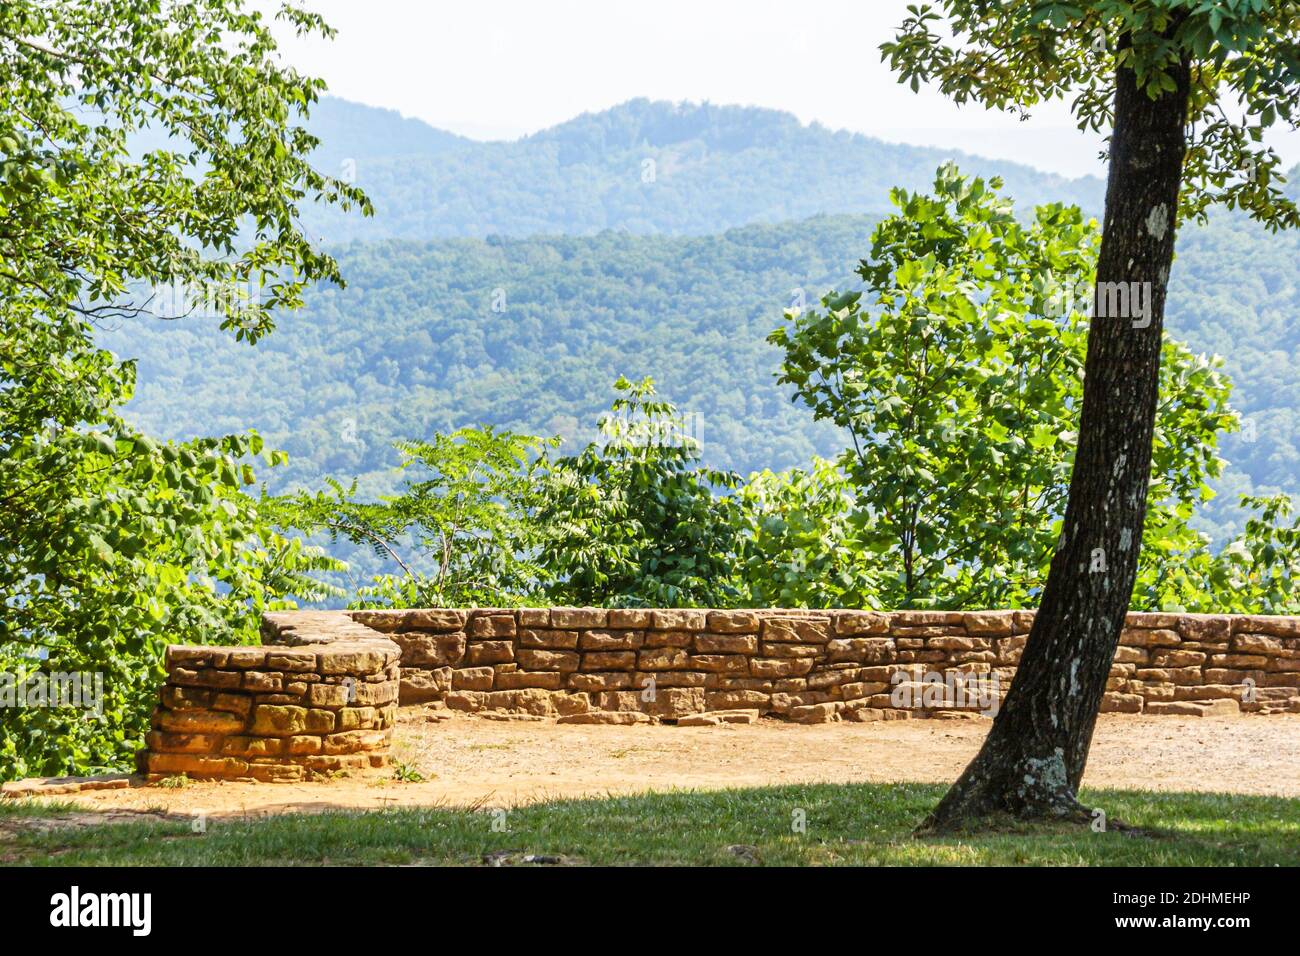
x=1033 y=759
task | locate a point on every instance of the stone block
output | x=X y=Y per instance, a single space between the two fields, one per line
x=792 y=630
x=738 y=700
x=669 y=638
x=780 y=666
x=1121 y=703
x=517 y=680
x=547 y=660
x=710 y=643
x=548 y=639
x=732 y=622
x=856 y=623
x=579 y=617
x=663 y=659
x=678 y=619
x=815 y=713
x=198 y=721
x=428 y=650
x=608 y=661
x=601 y=640
x=1195 y=708
x=988 y=623
x=492 y=626
x=639 y=618
x=489 y=652
x=598 y=681
x=274 y=721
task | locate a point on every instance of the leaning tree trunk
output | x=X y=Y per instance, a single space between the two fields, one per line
x=1033 y=759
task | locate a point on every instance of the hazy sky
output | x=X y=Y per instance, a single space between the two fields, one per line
x=494 y=69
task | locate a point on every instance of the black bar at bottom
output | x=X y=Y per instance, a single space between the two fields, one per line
x=380 y=906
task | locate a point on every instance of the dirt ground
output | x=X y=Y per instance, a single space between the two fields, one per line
x=471 y=761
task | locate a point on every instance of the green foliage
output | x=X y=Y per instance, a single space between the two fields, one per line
x=633 y=519
x=1257 y=572
x=406 y=773
x=957 y=392
x=459 y=532
x=959 y=389
x=1241 y=58
x=216 y=209
x=800 y=545
x=113 y=543
x=1235 y=292
x=1262 y=566
x=138 y=152
x=413 y=347
x=1242 y=55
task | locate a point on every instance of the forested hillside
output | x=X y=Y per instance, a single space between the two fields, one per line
x=413 y=345
x=1235 y=291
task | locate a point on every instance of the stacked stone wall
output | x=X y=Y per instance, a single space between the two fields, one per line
x=632 y=665
x=319 y=697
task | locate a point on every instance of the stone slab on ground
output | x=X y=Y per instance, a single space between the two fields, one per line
x=715 y=718
x=613 y=717
x=1195 y=708
x=54 y=786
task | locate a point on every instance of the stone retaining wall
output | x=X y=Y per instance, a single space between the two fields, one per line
x=598 y=665
x=319 y=696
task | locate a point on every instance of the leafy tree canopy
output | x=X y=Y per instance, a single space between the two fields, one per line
x=959 y=388
x=1242 y=56
x=113 y=543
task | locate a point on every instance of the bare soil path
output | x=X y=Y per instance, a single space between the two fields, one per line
x=470 y=761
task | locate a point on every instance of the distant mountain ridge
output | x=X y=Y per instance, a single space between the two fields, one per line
x=643 y=166
x=354 y=131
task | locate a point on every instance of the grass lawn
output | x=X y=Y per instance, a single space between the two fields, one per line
x=845 y=824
